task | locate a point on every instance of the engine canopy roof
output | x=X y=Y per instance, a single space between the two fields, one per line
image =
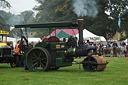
x=48 y=25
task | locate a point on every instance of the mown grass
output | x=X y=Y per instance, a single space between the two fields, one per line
x=116 y=73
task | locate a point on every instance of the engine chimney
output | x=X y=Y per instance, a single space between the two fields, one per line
x=80 y=28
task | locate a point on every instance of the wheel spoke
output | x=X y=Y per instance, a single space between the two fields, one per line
x=39 y=54
x=42 y=64
x=32 y=61
x=34 y=54
x=34 y=64
x=43 y=55
x=33 y=57
x=43 y=59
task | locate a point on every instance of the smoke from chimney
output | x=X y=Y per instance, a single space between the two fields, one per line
x=13 y=20
x=85 y=8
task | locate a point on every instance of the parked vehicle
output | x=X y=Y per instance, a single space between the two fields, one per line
x=7 y=55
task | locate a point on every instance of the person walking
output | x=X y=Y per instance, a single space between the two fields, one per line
x=124 y=47
x=114 y=49
x=101 y=45
x=17 y=50
x=31 y=45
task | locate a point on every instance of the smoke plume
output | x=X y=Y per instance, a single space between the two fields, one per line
x=13 y=20
x=85 y=8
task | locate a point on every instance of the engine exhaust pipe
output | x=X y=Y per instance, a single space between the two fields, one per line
x=80 y=28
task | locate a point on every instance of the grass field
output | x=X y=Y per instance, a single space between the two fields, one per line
x=116 y=73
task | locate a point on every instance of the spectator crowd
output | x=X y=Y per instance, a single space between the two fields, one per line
x=111 y=48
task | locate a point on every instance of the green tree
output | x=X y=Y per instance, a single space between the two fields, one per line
x=3 y=25
x=103 y=24
x=115 y=8
x=26 y=16
x=54 y=10
x=4 y=4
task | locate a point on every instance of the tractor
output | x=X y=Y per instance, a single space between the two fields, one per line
x=53 y=54
x=7 y=55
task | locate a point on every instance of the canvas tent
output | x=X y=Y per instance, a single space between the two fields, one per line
x=63 y=33
x=66 y=33
x=35 y=40
x=126 y=40
x=102 y=38
x=10 y=39
x=87 y=35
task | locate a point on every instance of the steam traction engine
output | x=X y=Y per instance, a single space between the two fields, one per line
x=53 y=55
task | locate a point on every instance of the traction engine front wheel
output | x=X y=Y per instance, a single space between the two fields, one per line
x=95 y=64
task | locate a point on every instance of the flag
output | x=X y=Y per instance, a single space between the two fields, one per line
x=119 y=22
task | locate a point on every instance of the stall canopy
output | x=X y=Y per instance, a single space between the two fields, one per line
x=63 y=33
x=66 y=33
x=87 y=35
x=35 y=40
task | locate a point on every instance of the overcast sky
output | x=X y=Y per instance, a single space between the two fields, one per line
x=20 y=5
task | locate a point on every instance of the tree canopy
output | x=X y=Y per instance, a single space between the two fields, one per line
x=103 y=24
x=8 y=20
x=4 y=4
x=26 y=16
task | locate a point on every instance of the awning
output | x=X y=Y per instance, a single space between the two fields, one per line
x=61 y=33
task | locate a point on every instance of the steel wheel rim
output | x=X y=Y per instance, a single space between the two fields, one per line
x=37 y=60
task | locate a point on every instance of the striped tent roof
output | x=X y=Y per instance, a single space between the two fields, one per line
x=60 y=33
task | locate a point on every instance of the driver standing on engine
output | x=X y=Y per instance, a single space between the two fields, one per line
x=72 y=42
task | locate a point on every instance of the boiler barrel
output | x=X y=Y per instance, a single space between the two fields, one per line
x=80 y=51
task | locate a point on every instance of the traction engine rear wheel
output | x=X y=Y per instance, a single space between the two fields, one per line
x=38 y=59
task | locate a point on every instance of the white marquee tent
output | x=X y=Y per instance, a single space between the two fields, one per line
x=90 y=36
x=10 y=39
x=35 y=40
